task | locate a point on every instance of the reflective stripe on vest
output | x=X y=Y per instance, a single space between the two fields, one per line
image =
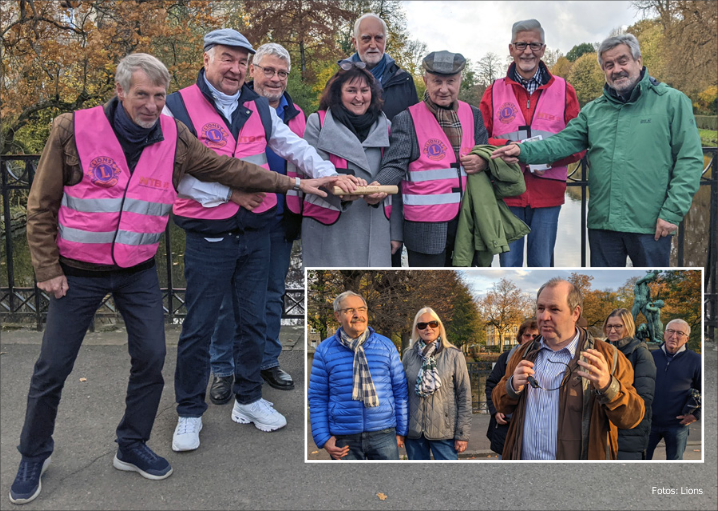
x=213 y=132
x=294 y=198
x=434 y=184
x=548 y=118
x=114 y=216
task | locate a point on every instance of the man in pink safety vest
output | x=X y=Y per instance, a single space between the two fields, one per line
x=529 y=102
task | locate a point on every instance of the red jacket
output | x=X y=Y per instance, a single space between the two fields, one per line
x=540 y=193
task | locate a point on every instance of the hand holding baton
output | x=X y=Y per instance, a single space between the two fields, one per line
x=369 y=189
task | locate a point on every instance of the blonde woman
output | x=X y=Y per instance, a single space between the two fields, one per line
x=439 y=392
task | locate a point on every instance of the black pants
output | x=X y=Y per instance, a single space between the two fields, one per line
x=138 y=297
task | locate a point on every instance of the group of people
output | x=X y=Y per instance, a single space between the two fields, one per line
x=243 y=173
x=638 y=405
x=365 y=402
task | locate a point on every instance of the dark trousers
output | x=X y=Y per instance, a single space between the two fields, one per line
x=138 y=298
x=370 y=445
x=675 y=437
x=610 y=248
x=214 y=268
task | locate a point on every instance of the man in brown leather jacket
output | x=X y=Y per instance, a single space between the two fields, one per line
x=568 y=392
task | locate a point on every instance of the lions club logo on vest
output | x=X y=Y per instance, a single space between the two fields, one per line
x=214 y=134
x=507 y=112
x=103 y=171
x=435 y=149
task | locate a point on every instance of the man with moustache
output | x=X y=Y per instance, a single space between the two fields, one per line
x=568 y=392
x=527 y=102
x=228 y=245
x=645 y=155
x=358 y=401
x=678 y=385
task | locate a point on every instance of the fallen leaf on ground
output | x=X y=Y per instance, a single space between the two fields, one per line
x=315 y=452
x=83 y=379
x=381 y=496
x=696 y=450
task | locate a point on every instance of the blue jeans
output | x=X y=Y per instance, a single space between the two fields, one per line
x=221 y=349
x=138 y=297
x=234 y=265
x=675 y=437
x=421 y=449
x=371 y=445
x=610 y=248
x=540 y=241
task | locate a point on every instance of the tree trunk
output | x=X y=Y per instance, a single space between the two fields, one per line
x=405 y=338
x=302 y=59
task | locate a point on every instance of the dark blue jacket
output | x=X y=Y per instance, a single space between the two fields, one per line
x=674 y=379
x=398 y=89
x=331 y=407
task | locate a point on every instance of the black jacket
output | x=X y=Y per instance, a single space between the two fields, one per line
x=644 y=381
x=399 y=92
x=496 y=432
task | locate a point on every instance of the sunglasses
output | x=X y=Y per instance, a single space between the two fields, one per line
x=432 y=324
x=347 y=64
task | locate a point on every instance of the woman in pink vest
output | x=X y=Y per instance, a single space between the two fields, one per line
x=351 y=131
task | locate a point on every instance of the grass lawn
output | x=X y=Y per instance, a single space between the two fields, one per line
x=709 y=138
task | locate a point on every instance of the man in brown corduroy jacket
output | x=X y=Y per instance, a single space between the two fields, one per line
x=568 y=392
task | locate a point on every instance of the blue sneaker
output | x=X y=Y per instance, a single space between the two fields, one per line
x=140 y=458
x=27 y=483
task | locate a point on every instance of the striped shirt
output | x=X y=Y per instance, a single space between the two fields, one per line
x=541 y=421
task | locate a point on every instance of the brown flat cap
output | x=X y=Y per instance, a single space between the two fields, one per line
x=444 y=62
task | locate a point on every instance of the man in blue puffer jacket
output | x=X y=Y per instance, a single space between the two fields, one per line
x=357 y=389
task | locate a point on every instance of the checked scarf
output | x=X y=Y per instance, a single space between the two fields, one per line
x=363 y=386
x=428 y=381
x=448 y=119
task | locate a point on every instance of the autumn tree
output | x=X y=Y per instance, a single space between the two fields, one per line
x=587 y=78
x=504 y=306
x=579 y=50
x=489 y=69
x=561 y=68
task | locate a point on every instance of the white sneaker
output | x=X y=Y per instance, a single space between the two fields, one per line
x=261 y=413
x=186 y=435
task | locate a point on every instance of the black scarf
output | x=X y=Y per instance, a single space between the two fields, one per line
x=127 y=129
x=360 y=125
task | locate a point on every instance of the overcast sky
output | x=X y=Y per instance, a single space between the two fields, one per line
x=478 y=27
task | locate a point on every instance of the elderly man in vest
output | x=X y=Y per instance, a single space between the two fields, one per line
x=529 y=102
x=397 y=86
x=228 y=246
x=98 y=206
x=568 y=392
x=429 y=155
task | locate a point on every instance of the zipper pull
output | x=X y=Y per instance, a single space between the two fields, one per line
x=528 y=103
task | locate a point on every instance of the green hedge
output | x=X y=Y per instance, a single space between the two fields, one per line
x=707 y=122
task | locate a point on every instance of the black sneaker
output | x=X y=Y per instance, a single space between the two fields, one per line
x=28 y=482
x=140 y=458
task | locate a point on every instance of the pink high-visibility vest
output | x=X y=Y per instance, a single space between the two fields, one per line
x=112 y=216
x=213 y=132
x=435 y=182
x=294 y=198
x=322 y=211
x=548 y=119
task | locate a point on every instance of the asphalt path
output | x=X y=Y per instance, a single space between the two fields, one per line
x=239 y=467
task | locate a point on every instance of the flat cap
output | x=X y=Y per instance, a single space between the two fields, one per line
x=444 y=62
x=226 y=37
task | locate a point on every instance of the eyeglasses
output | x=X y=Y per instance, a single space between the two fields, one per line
x=529 y=336
x=269 y=72
x=432 y=324
x=675 y=332
x=350 y=311
x=614 y=327
x=522 y=46
x=347 y=64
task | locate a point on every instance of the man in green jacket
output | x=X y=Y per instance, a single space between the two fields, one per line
x=644 y=154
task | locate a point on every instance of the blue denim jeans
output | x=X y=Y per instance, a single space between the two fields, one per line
x=422 y=449
x=138 y=297
x=675 y=437
x=539 y=242
x=234 y=265
x=371 y=445
x=221 y=349
x=610 y=248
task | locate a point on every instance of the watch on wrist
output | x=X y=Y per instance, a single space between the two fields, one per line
x=297 y=184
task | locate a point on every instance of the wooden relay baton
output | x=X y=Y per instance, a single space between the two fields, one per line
x=366 y=190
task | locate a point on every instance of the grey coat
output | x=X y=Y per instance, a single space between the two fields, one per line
x=361 y=236
x=445 y=414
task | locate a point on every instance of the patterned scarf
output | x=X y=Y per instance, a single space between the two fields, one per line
x=428 y=381
x=448 y=119
x=363 y=389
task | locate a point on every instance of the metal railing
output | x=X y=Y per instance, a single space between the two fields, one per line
x=27 y=301
x=478 y=372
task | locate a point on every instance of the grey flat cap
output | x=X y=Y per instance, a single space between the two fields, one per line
x=444 y=62
x=226 y=37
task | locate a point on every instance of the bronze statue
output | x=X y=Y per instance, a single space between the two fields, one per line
x=642 y=294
